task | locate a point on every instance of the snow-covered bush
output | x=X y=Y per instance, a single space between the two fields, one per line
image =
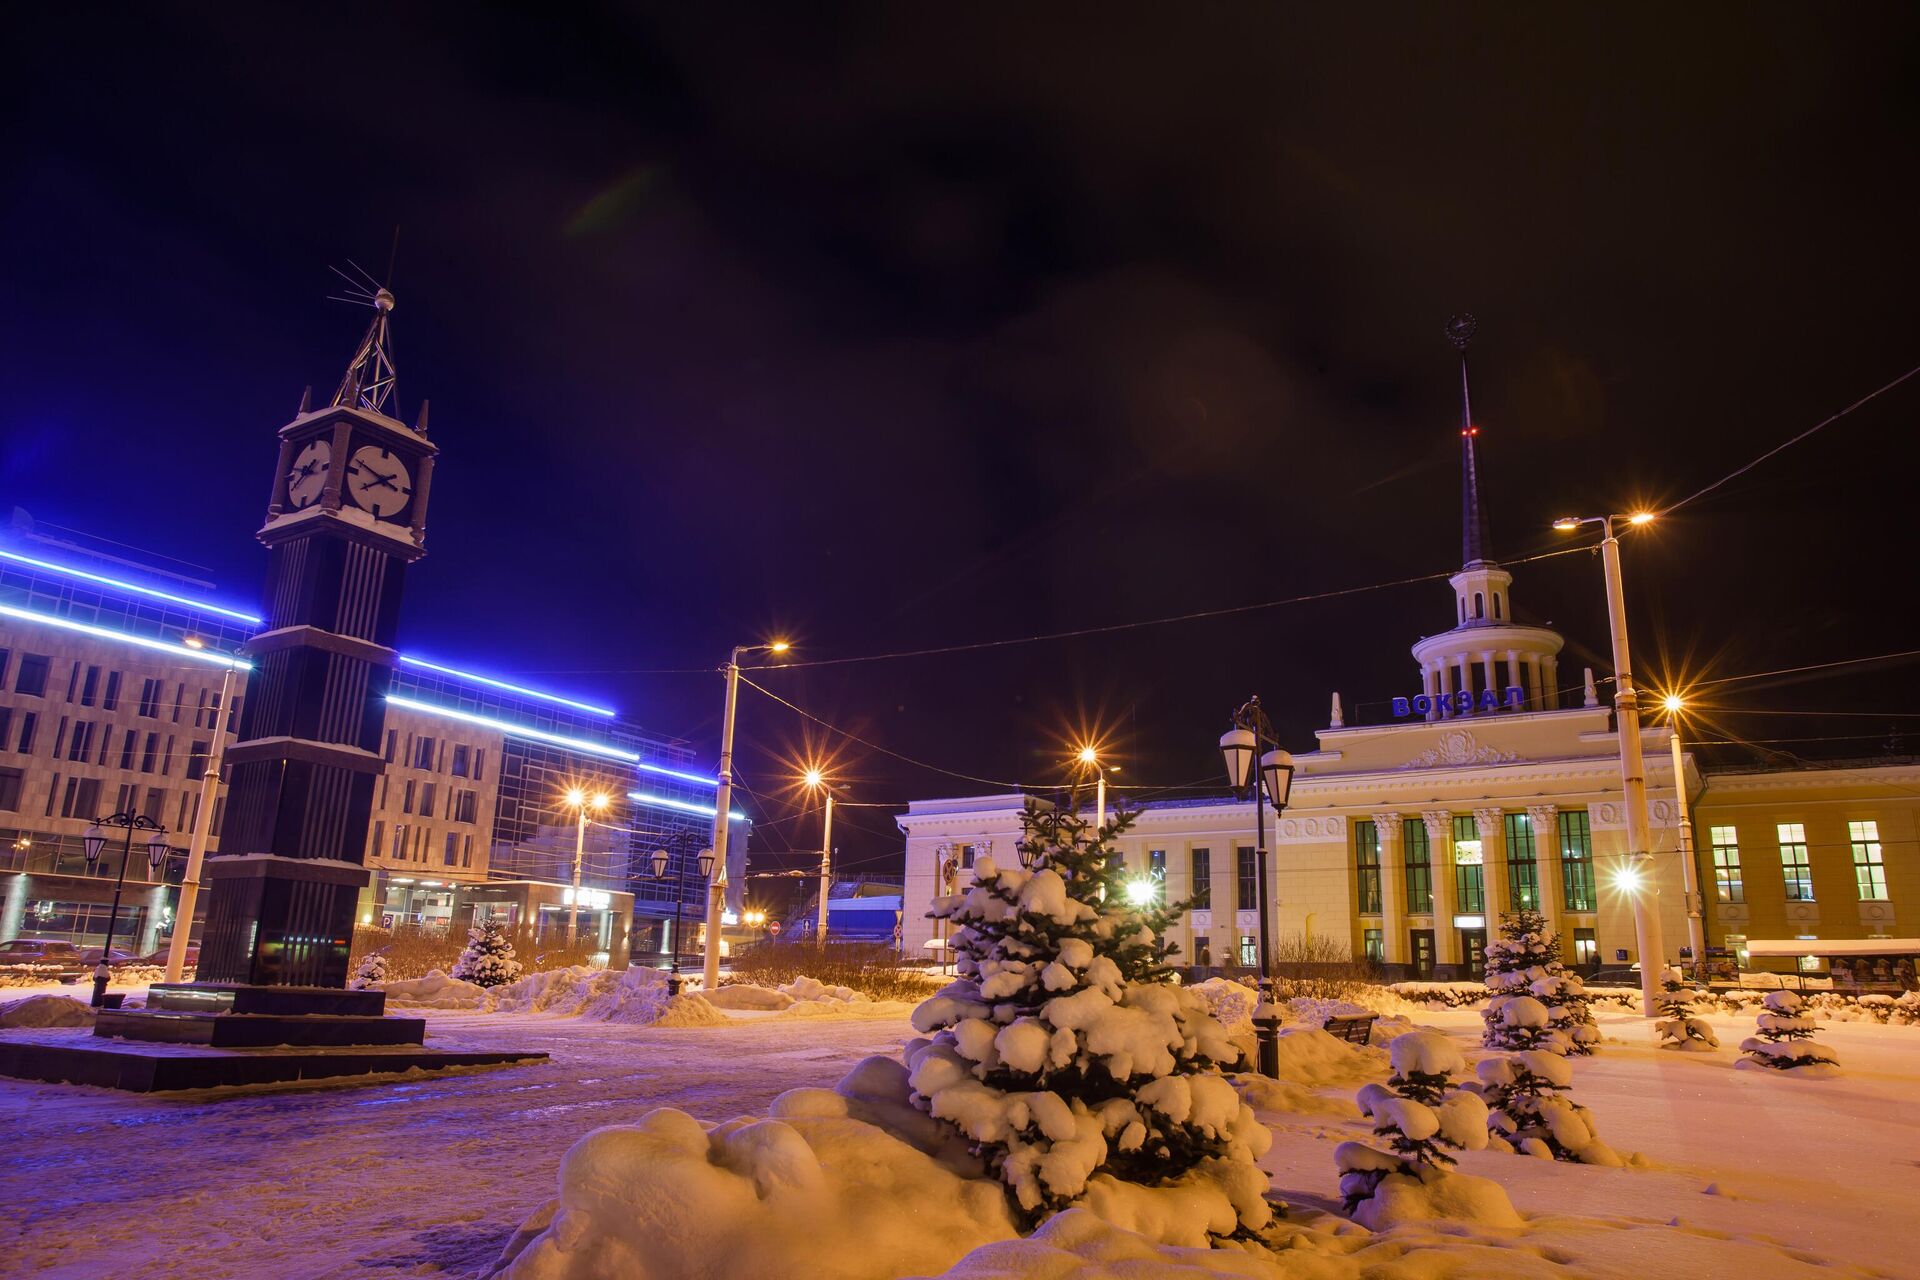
x=1419 y=1113
x=488 y=960
x=1784 y=1039
x=1678 y=1027
x=370 y=972
x=1523 y=964
x=1063 y=1051
x=1526 y=1112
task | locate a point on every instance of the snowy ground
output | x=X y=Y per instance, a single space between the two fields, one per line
x=1752 y=1174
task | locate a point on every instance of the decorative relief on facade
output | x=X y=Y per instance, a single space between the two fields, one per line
x=1296 y=829
x=1439 y=824
x=1542 y=817
x=1458 y=747
x=1388 y=825
x=1607 y=815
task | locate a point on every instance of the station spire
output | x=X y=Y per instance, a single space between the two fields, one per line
x=370 y=377
x=1475 y=544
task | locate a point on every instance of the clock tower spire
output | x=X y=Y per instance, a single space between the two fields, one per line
x=346 y=515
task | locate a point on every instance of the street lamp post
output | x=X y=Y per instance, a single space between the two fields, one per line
x=1272 y=781
x=816 y=781
x=722 y=804
x=1633 y=771
x=1090 y=758
x=580 y=802
x=94 y=841
x=1689 y=869
x=202 y=827
x=658 y=866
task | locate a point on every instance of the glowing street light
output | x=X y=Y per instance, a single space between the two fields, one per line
x=1141 y=891
x=1088 y=757
x=578 y=799
x=1633 y=771
x=815 y=780
x=722 y=804
x=1674 y=704
x=1627 y=880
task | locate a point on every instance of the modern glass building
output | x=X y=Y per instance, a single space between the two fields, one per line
x=111 y=697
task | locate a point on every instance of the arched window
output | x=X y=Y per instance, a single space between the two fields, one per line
x=1479 y=605
x=1496 y=606
x=1463 y=608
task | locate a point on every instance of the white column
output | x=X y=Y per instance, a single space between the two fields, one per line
x=1493 y=858
x=1513 y=674
x=1393 y=887
x=1446 y=941
x=1446 y=683
x=1550 y=681
x=1534 y=698
x=1430 y=685
x=1545 y=820
x=1486 y=666
x=1466 y=671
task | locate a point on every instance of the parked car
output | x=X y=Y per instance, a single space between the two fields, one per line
x=159 y=957
x=42 y=957
x=91 y=956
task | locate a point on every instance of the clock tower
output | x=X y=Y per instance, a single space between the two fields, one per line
x=345 y=517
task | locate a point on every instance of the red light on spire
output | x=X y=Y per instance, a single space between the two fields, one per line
x=1471 y=431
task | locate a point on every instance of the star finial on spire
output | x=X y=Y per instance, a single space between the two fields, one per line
x=1474 y=540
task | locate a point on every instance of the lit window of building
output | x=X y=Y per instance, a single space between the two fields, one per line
x=1727 y=886
x=1795 y=865
x=1869 y=871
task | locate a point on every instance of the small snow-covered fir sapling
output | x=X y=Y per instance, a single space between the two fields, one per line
x=1524 y=963
x=1527 y=1114
x=1063 y=1050
x=370 y=972
x=1418 y=1112
x=1678 y=1027
x=488 y=960
x=1784 y=1039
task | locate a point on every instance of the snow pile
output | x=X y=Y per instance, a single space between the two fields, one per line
x=1229 y=1003
x=370 y=972
x=1527 y=1114
x=46 y=1011
x=488 y=960
x=1067 y=1058
x=802 y=1196
x=747 y=995
x=636 y=996
x=805 y=988
x=437 y=991
x=1679 y=1028
x=1419 y=1113
x=1784 y=1040
x=1076 y=1244
x=1534 y=1003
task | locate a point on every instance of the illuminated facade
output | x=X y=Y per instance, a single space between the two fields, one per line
x=105 y=707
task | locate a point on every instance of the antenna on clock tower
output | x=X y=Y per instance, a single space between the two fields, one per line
x=370 y=376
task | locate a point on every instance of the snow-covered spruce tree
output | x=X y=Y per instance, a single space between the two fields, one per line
x=488 y=960
x=1784 y=1040
x=1063 y=1050
x=1679 y=1028
x=1527 y=1114
x=370 y=972
x=1419 y=1113
x=1524 y=963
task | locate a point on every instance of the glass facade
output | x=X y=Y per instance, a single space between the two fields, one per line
x=1366 y=861
x=1469 y=867
x=1576 y=866
x=1727 y=884
x=1419 y=863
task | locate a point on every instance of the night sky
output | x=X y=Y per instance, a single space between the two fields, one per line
x=905 y=326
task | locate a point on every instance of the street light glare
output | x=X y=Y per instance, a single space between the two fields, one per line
x=1627 y=879
x=194 y=642
x=576 y=797
x=1672 y=703
x=813 y=777
x=1089 y=756
x=1566 y=524
x=1139 y=892
x=601 y=800
x=1640 y=517
x=779 y=646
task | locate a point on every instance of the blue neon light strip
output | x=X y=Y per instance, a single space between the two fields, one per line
x=502 y=684
x=517 y=730
x=698 y=779
x=684 y=806
x=129 y=586
x=209 y=656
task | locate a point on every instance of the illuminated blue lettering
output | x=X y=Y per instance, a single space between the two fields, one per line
x=1400 y=707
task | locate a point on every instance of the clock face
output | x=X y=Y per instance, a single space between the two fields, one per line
x=309 y=474
x=378 y=480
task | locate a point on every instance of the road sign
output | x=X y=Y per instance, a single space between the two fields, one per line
x=773 y=927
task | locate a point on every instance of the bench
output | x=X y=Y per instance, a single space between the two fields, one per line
x=1353 y=1028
